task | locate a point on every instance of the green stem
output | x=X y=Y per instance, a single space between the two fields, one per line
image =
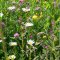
x=46 y=55
x=12 y=59
x=3 y=43
x=22 y=43
x=33 y=3
x=30 y=54
x=59 y=33
x=59 y=38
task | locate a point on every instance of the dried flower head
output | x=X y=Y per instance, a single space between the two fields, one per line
x=2 y=24
x=37 y=8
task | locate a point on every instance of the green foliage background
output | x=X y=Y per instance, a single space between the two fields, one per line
x=45 y=32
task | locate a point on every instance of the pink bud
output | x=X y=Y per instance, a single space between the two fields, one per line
x=30 y=36
x=21 y=1
x=46 y=47
x=16 y=35
x=52 y=23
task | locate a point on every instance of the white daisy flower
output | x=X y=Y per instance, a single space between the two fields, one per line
x=26 y=9
x=30 y=42
x=12 y=43
x=1 y=14
x=0 y=41
x=11 y=8
x=28 y=24
x=11 y=57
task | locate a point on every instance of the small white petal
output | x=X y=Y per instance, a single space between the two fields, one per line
x=11 y=56
x=12 y=43
x=11 y=8
x=30 y=42
x=25 y=9
x=0 y=41
x=28 y=24
x=1 y=14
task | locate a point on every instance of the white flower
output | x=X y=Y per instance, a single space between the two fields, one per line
x=28 y=24
x=12 y=43
x=30 y=42
x=1 y=14
x=0 y=41
x=11 y=57
x=11 y=8
x=26 y=9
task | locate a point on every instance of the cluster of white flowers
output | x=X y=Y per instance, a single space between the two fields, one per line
x=26 y=9
x=0 y=41
x=30 y=42
x=12 y=43
x=11 y=57
x=11 y=8
x=28 y=24
x=1 y=14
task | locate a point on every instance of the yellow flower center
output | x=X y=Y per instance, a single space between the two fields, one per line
x=35 y=17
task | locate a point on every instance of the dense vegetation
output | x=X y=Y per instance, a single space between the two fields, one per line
x=29 y=29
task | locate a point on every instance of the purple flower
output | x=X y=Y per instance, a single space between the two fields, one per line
x=31 y=36
x=21 y=1
x=52 y=23
x=46 y=47
x=16 y=35
x=50 y=31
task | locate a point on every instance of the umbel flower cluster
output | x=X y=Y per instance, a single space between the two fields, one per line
x=29 y=29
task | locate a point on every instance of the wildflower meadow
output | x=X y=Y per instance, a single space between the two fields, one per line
x=29 y=29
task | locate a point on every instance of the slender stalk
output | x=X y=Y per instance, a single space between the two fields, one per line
x=33 y=3
x=22 y=42
x=30 y=54
x=4 y=43
x=59 y=38
x=46 y=54
x=59 y=33
x=58 y=1
x=2 y=36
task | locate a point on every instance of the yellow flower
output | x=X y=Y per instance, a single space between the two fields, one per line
x=44 y=36
x=41 y=15
x=34 y=17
